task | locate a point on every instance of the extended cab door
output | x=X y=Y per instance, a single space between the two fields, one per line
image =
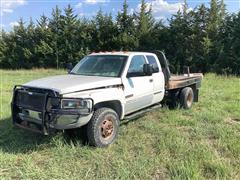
x=138 y=88
x=158 y=78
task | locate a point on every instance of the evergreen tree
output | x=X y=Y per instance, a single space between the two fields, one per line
x=145 y=24
x=55 y=25
x=213 y=18
x=228 y=60
x=43 y=37
x=69 y=47
x=202 y=43
x=126 y=29
x=19 y=48
x=214 y=22
x=30 y=44
x=182 y=38
x=185 y=9
x=3 y=50
x=222 y=11
x=105 y=34
x=144 y=18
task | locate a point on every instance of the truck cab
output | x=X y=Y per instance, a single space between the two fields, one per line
x=100 y=91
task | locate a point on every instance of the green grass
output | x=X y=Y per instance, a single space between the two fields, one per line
x=201 y=143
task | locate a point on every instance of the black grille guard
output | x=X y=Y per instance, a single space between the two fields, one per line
x=43 y=129
x=46 y=93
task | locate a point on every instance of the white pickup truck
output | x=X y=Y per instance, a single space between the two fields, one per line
x=101 y=90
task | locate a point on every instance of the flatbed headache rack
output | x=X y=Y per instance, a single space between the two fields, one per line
x=172 y=81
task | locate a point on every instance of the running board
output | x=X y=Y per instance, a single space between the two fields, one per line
x=141 y=112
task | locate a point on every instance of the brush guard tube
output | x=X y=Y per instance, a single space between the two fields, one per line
x=45 y=123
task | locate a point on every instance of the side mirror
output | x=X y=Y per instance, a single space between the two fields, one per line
x=69 y=67
x=148 y=69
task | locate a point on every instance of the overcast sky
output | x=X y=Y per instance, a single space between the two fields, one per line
x=12 y=10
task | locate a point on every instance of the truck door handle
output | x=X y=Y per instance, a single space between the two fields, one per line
x=150 y=80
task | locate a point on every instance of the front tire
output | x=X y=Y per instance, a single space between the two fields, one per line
x=102 y=129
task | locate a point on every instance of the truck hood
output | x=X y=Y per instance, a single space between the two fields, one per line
x=71 y=83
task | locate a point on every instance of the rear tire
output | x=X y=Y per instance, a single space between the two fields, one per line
x=102 y=130
x=186 y=98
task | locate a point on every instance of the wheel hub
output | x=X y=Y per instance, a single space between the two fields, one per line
x=107 y=128
x=189 y=99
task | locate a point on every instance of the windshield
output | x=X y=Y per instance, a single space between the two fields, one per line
x=100 y=65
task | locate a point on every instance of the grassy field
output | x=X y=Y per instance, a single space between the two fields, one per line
x=201 y=143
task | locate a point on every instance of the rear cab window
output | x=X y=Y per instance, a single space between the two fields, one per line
x=152 y=61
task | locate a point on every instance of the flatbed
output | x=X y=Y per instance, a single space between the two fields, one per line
x=180 y=81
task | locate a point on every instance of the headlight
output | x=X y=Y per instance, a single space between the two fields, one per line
x=83 y=104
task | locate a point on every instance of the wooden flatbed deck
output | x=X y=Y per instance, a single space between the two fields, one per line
x=180 y=81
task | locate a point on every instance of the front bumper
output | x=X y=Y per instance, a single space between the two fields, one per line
x=41 y=118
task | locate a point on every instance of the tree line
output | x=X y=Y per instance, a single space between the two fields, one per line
x=207 y=39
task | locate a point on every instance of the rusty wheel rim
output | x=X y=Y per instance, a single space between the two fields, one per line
x=189 y=99
x=107 y=128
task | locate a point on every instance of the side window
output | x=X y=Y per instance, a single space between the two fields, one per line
x=153 y=62
x=136 y=66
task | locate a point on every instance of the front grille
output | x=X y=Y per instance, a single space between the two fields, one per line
x=30 y=100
